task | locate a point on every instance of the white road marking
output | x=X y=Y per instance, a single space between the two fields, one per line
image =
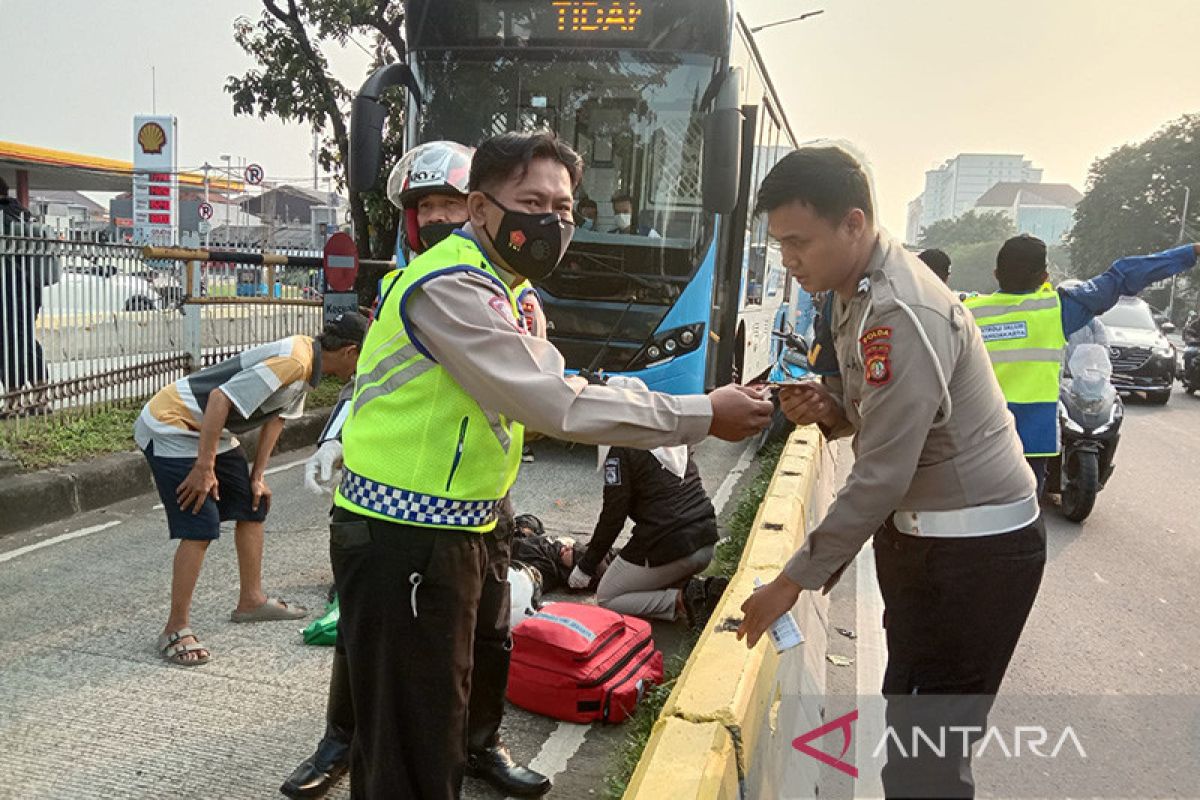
x=562 y=743
x=871 y=652
x=725 y=491
x=66 y=537
x=282 y=467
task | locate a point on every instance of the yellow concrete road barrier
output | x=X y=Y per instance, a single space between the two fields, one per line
x=684 y=761
x=727 y=687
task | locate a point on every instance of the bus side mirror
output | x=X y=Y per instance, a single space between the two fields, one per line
x=722 y=160
x=367 y=116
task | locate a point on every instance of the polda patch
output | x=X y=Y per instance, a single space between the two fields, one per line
x=880 y=334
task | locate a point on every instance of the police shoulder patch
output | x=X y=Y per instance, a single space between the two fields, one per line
x=879 y=334
x=878 y=364
x=502 y=307
x=612 y=472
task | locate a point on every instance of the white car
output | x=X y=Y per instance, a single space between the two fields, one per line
x=98 y=289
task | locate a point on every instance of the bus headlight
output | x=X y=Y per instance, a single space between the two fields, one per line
x=669 y=344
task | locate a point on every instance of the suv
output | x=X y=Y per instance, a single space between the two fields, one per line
x=1142 y=358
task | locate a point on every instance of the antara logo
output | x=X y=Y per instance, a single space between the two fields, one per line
x=842 y=724
x=1022 y=741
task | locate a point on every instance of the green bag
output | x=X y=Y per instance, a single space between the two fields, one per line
x=323 y=632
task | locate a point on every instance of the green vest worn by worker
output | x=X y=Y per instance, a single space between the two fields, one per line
x=418 y=449
x=1024 y=337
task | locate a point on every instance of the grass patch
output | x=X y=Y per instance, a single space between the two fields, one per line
x=326 y=393
x=54 y=443
x=725 y=561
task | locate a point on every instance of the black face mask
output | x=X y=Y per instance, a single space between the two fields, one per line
x=435 y=232
x=530 y=244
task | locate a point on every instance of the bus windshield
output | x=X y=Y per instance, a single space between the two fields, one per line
x=634 y=117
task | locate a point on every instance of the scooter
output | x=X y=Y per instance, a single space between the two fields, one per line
x=1089 y=413
x=1190 y=377
x=790 y=366
x=791 y=362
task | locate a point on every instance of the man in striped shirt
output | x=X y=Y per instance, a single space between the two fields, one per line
x=187 y=432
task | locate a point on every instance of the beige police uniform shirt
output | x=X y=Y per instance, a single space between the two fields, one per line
x=465 y=321
x=909 y=455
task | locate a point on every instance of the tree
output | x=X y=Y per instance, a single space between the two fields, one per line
x=1134 y=200
x=968 y=229
x=293 y=83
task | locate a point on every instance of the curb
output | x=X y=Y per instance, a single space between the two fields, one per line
x=39 y=498
x=727 y=698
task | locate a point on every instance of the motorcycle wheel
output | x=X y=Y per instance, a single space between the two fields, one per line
x=1079 y=495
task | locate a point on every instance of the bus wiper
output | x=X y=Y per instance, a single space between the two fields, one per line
x=589 y=372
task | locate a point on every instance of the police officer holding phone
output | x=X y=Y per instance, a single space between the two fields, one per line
x=939 y=478
x=449 y=376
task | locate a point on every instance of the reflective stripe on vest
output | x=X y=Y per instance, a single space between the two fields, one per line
x=418 y=448
x=1024 y=339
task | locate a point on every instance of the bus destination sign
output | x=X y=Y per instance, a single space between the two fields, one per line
x=597 y=16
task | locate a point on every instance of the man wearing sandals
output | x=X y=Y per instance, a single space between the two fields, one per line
x=186 y=432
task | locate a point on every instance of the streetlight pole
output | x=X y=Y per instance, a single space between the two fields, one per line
x=1187 y=195
x=229 y=177
x=804 y=16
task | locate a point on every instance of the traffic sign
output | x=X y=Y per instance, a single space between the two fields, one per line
x=204 y=228
x=205 y=211
x=341 y=262
x=254 y=174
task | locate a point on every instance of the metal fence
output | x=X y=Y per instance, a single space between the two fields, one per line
x=86 y=324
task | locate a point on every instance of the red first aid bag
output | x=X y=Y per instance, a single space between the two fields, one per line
x=582 y=663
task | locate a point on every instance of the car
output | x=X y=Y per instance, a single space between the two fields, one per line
x=1143 y=360
x=86 y=287
x=165 y=282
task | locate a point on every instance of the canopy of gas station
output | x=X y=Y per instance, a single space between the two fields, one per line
x=26 y=167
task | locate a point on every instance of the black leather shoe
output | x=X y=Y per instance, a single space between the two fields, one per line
x=496 y=766
x=320 y=771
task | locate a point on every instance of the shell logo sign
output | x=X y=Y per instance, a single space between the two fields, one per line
x=152 y=138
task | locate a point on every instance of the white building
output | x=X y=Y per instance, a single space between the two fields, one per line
x=954 y=187
x=1044 y=210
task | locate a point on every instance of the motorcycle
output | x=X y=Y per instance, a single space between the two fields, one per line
x=1090 y=413
x=1190 y=377
x=790 y=366
x=791 y=362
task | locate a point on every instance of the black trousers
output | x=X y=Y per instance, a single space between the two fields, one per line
x=493 y=647
x=954 y=609
x=489 y=671
x=408 y=599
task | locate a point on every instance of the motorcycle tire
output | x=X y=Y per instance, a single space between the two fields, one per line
x=1079 y=495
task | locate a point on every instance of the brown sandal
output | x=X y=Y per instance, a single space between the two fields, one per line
x=173 y=650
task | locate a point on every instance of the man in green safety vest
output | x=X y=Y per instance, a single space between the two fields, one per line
x=429 y=186
x=1026 y=324
x=448 y=378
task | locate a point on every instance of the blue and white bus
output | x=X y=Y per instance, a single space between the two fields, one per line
x=670 y=105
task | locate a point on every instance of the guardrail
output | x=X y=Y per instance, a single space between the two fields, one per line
x=725 y=731
x=87 y=324
x=84 y=323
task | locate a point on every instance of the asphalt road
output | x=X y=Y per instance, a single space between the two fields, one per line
x=87 y=709
x=1112 y=641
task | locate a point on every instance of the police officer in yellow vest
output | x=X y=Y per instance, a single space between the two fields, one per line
x=1026 y=324
x=448 y=376
x=429 y=186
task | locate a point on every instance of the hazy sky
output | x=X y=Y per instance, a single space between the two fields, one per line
x=911 y=82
